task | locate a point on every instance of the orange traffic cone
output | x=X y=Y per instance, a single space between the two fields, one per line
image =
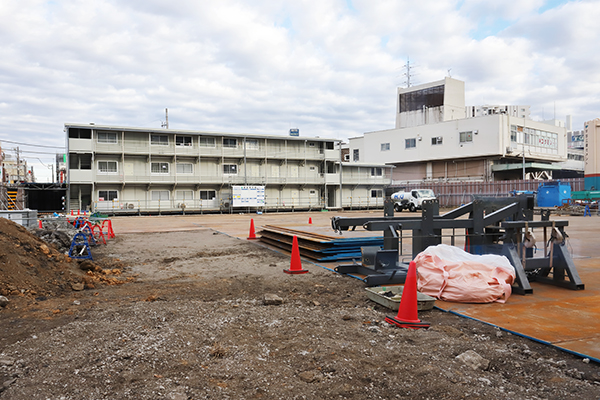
x=407 y=313
x=309 y=220
x=296 y=264
x=252 y=235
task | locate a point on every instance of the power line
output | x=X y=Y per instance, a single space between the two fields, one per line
x=34 y=152
x=32 y=145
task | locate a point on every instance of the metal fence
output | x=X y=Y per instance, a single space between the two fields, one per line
x=454 y=194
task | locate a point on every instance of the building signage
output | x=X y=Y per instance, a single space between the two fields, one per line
x=294 y=132
x=248 y=196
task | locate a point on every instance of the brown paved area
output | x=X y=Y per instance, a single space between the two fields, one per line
x=567 y=319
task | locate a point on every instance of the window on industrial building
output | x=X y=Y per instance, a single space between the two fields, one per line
x=419 y=99
x=158 y=195
x=183 y=141
x=184 y=195
x=107 y=137
x=377 y=193
x=159 y=140
x=206 y=141
x=376 y=171
x=436 y=140
x=80 y=161
x=231 y=169
x=329 y=145
x=107 y=195
x=355 y=156
x=159 y=168
x=208 y=195
x=252 y=144
x=385 y=146
x=230 y=143
x=185 y=168
x=466 y=137
x=410 y=143
x=107 y=167
x=513 y=133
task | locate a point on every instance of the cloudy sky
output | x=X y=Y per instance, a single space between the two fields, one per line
x=327 y=67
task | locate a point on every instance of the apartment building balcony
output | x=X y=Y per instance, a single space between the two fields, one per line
x=80 y=145
x=80 y=175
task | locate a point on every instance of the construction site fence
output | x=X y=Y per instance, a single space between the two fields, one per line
x=454 y=194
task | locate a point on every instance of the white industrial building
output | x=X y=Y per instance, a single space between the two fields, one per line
x=125 y=169
x=434 y=140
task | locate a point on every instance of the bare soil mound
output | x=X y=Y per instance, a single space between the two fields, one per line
x=31 y=268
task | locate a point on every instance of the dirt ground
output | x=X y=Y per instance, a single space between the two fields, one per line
x=181 y=315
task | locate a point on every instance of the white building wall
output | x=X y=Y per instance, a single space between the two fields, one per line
x=490 y=137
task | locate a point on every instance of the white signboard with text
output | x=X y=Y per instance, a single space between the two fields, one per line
x=248 y=196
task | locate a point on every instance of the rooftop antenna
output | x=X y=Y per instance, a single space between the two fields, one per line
x=166 y=123
x=449 y=69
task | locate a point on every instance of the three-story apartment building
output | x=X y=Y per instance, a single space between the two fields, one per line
x=123 y=169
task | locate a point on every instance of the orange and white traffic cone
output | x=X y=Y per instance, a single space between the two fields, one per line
x=252 y=235
x=296 y=263
x=407 y=312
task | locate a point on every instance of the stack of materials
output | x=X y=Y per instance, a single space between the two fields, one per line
x=316 y=246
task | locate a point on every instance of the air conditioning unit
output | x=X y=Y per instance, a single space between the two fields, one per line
x=182 y=206
x=509 y=150
x=130 y=206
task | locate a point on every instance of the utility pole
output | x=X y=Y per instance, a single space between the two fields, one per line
x=18 y=166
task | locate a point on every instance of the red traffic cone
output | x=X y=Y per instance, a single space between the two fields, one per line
x=252 y=235
x=296 y=264
x=309 y=220
x=40 y=223
x=407 y=312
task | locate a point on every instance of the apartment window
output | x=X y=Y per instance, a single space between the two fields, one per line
x=107 y=167
x=252 y=144
x=183 y=141
x=355 y=156
x=184 y=195
x=410 y=143
x=377 y=193
x=208 y=195
x=159 y=168
x=230 y=169
x=107 y=137
x=107 y=195
x=80 y=133
x=436 y=140
x=466 y=137
x=80 y=161
x=385 y=146
x=185 y=168
x=206 y=141
x=230 y=143
x=376 y=171
x=159 y=140
x=158 y=195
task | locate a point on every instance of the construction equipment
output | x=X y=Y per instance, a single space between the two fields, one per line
x=492 y=226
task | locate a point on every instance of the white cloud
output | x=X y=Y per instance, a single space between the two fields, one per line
x=326 y=67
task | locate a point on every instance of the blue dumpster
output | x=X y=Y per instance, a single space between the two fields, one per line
x=553 y=194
